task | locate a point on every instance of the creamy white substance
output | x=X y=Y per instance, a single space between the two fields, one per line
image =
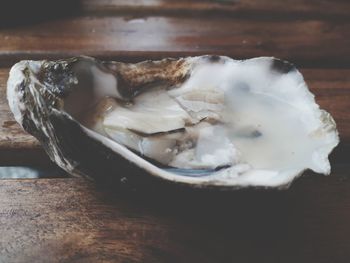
x=239 y=114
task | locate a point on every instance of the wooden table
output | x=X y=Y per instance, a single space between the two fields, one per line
x=73 y=220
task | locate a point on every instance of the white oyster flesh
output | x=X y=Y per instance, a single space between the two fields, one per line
x=245 y=122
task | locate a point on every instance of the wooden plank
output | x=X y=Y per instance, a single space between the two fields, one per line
x=331 y=87
x=155 y=37
x=38 y=10
x=256 y=9
x=70 y=220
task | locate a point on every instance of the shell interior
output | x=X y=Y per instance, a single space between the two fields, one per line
x=212 y=122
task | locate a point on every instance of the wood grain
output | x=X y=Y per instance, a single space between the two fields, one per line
x=70 y=220
x=254 y=9
x=128 y=38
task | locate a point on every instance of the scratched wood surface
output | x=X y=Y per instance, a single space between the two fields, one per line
x=129 y=38
x=72 y=220
x=69 y=220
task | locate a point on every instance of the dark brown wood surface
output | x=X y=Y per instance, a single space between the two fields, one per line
x=69 y=220
x=257 y=9
x=129 y=38
x=73 y=220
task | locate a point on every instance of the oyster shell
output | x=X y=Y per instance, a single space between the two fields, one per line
x=201 y=121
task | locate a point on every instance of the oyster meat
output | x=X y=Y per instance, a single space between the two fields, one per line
x=201 y=121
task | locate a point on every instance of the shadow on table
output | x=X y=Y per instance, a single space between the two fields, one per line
x=294 y=225
x=18 y=12
x=244 y=225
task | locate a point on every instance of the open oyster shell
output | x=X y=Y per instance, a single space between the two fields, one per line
x=201 y=121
